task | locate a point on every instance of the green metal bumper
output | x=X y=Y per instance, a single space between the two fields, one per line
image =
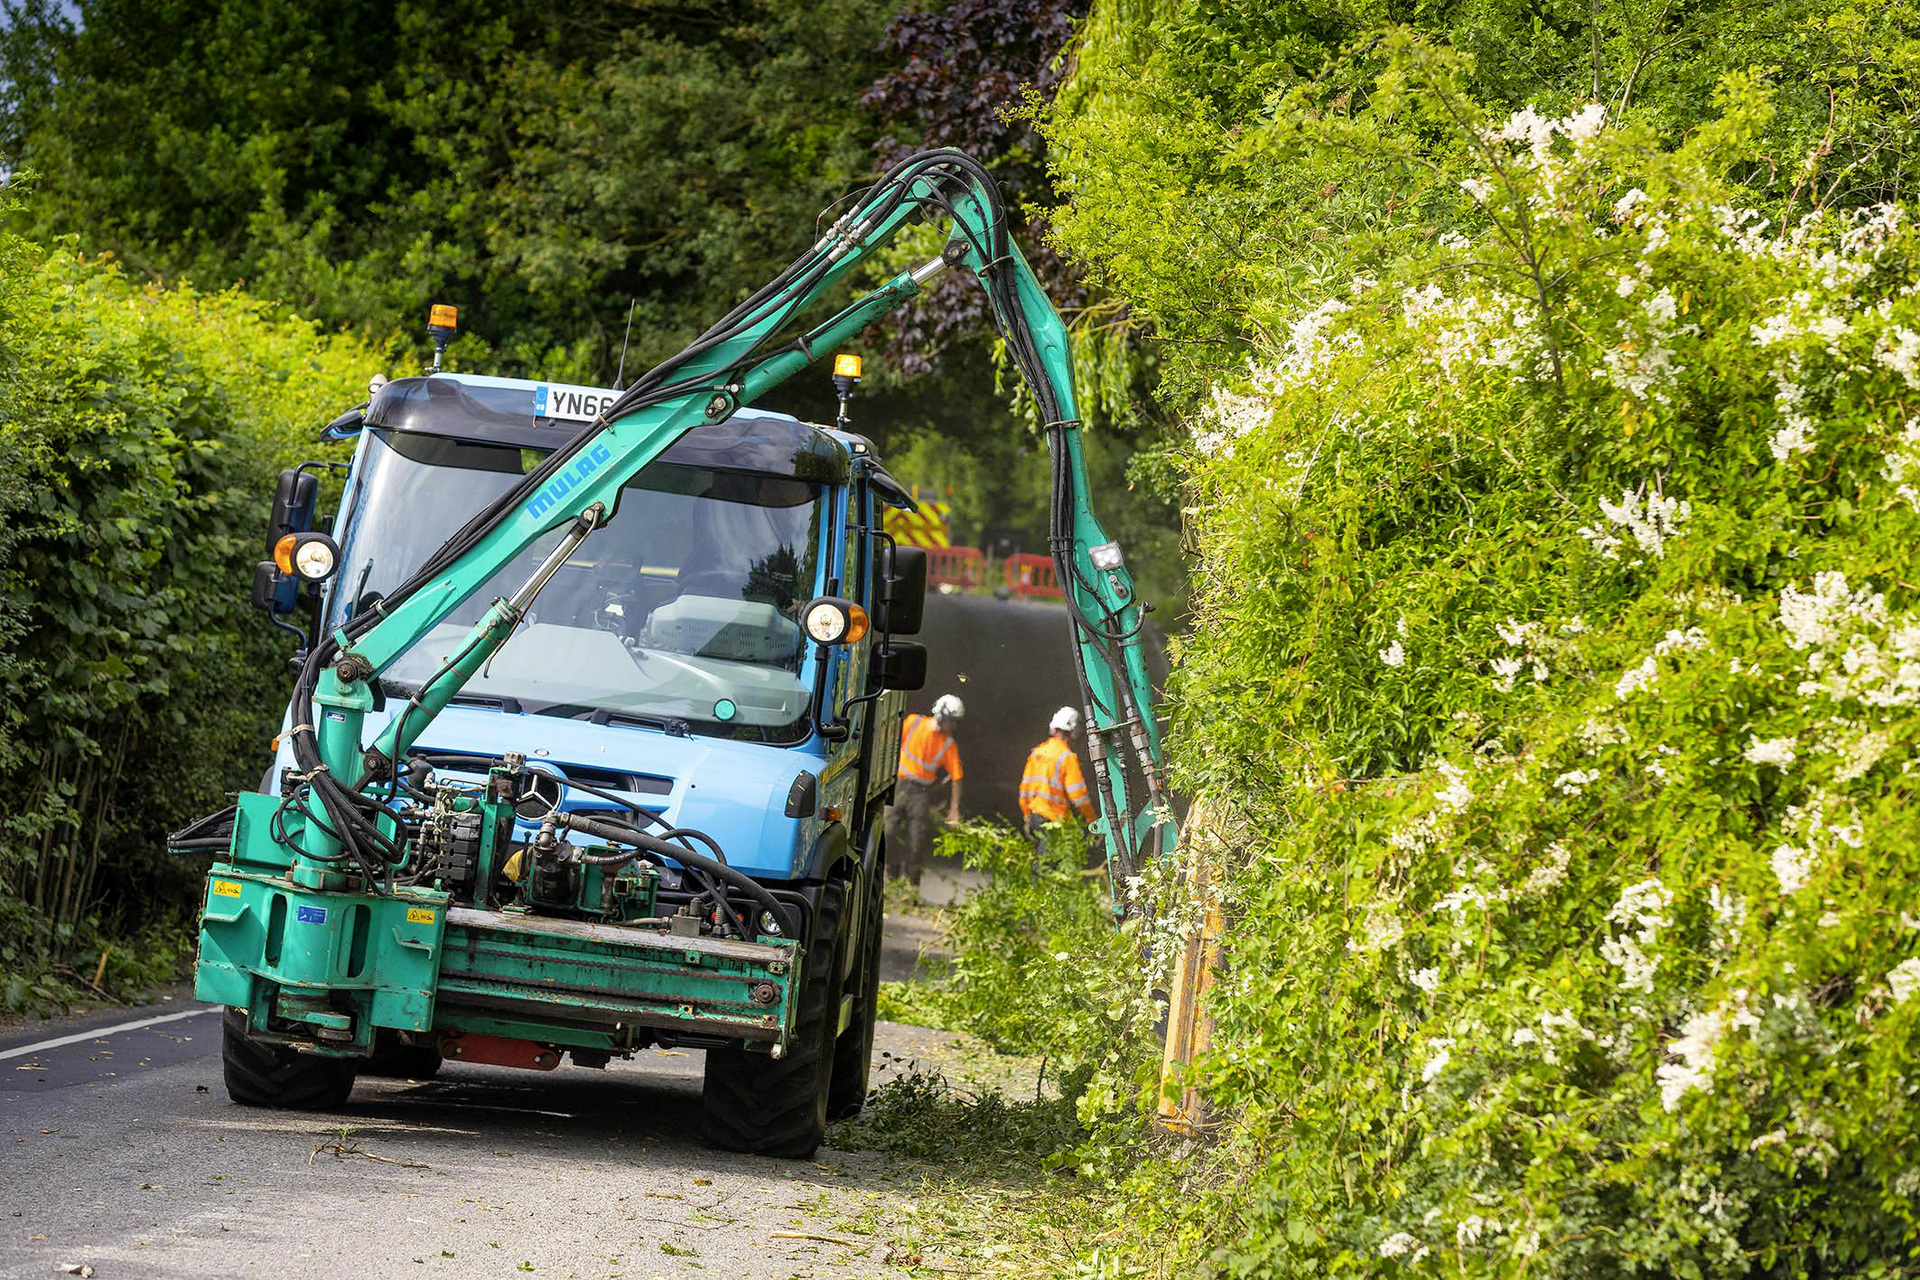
x=324 y=969
x=569 y=973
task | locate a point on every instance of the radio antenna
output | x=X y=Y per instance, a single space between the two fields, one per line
x=622 y=373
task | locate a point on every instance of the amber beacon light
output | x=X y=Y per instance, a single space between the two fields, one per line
x=443 y=321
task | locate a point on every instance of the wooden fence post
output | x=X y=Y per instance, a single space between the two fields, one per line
x=1189 y=1030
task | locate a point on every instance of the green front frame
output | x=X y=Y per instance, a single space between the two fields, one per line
x=325 y=969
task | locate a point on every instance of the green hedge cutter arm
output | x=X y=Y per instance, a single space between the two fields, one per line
x=577 y=486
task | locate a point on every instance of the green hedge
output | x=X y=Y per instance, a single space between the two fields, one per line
x=1553 y=684
x=140 y=428
x=1582 y=933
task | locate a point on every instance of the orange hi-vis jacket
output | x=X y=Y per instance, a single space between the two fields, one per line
x=1053 y=781
x=924 y=751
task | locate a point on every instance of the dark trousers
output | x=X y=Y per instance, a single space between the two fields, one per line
x=910 y=828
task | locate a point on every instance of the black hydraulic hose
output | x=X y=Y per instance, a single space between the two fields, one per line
x=667 y=830
x=618 y=833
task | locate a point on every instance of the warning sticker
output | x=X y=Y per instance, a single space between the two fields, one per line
x=310 y=915
x=226 y=888
x=419 y=915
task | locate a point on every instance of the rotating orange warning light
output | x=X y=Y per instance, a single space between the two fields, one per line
x=846 y=365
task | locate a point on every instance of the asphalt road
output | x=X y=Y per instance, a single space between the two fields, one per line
x=119 y=1150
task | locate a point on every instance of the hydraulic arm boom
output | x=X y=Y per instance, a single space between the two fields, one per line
x=740 y=358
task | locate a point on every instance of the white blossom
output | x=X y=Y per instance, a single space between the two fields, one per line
x=1636 y=679
x=1903 y=980
x=1378 y=932
x=1441 y=1054
x=1416 y=836
x=1574 y=781
x=1694 y=1049
x=1627 y=203
x=1394 y=655
x=1901 y=464
x=1585 y=124
x=1795 y=434
x=1641 y=912
x=1778 y=752
x=1899 y=350
x=1426 y=979
x=1651 y=523
x=1400 y=1243
x=1456 y=795
x=1548 y=874
x=1792 y=867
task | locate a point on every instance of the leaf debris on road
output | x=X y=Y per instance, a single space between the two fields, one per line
x=345 y=1146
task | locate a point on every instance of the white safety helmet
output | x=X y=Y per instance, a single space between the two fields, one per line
x=1065 y=720
x=948 y=707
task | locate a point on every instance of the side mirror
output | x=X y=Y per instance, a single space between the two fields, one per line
x=900 y=664
x=294 y=498
x=903 y=590
x=274 y=591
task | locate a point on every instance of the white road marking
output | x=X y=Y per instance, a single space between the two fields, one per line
x=100 y=1033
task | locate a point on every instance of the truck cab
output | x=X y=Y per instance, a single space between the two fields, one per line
x=672 y=675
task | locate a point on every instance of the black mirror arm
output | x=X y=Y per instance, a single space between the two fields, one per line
x=835 y=730
x=287 y=627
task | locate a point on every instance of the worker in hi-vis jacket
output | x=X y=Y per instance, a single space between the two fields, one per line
x=1052 y=785
x=927 y=749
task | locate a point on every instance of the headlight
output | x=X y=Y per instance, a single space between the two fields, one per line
x=831 y=620
x=768 y=924
x=313 y=560
x=312 y=557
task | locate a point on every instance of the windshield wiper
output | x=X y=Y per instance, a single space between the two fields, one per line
x=493 y=701
x=673 y=726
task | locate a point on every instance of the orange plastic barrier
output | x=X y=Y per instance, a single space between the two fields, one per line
x=1031 y=575
x=962 y=567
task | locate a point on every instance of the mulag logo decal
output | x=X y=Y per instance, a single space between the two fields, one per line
x=570 y=479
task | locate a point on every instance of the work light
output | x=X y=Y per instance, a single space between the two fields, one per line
x=831 y=620
x=311 y=557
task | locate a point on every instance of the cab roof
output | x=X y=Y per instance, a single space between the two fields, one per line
x=525 y=414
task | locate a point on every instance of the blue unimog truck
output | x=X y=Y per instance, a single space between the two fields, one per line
x=662 y=671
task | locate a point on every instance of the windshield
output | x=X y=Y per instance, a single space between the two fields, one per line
x=683 y=606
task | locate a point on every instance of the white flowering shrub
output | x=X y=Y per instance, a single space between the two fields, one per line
x=1559 y=650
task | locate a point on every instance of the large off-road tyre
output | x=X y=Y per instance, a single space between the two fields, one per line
x=769 y=1106
x=403 y=1061
x=271 y=1075
x=853 y=1051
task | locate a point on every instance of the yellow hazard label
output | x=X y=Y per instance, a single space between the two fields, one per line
x=226 y=888
x=924 y=526
x=419 y=915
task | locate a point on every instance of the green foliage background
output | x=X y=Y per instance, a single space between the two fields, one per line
x=545 y=167
x=140 y=429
